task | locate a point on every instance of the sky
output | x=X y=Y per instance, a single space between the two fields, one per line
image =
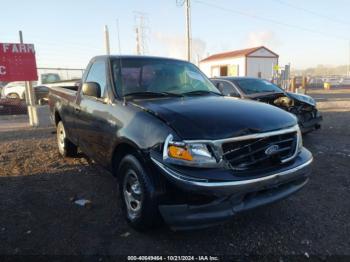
x=68 y=33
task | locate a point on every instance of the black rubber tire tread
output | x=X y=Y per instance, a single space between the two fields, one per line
x=149 y=217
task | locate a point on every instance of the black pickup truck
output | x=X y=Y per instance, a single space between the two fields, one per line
x=181 y=151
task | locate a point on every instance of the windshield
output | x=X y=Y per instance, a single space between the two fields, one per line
x=254 y=86
x=159 y=76
x=49 y=78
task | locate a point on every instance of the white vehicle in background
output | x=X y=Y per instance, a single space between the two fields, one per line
x=345 y=81
x=333 y=82
x=13 y=90
x=41 y=87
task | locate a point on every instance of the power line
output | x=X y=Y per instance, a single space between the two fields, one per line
x=330 y=18
x=257 y=17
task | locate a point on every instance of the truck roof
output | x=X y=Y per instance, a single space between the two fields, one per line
x=234 y=77
x=136 y=56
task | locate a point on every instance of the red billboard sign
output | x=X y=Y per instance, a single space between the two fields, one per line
x=17 y=62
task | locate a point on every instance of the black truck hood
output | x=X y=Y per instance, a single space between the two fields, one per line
x=216 y=117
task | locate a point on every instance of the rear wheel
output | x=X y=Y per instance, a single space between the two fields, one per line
x=65 y=147
x=137 y=192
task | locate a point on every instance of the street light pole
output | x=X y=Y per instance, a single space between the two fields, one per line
x=106 y=35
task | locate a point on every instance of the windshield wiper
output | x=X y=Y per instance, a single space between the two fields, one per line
x=201 y=92
x=149 y=93
x=268 y=91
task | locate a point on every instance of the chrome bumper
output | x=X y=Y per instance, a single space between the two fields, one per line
x=301 y=167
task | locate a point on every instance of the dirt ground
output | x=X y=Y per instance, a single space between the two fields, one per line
x=39 y=217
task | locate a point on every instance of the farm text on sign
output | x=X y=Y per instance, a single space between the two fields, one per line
x=17 y=62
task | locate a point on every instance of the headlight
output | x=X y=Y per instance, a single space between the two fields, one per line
x=188 y=154
x=307 y=99
x=312 y=101
x=299 y=140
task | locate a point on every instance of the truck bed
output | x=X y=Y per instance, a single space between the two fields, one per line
x=62 y=92
x=71 y=84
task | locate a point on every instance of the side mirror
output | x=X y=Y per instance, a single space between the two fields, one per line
x=91 y=89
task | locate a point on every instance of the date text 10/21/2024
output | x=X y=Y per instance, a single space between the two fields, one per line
x=173 y=258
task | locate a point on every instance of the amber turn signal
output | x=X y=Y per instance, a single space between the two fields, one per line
x=180 y=153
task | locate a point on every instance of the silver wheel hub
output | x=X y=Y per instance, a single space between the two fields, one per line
x=132 y=194
x=61 y=135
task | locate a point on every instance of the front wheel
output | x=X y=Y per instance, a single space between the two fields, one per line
x=137 y=192
x=65 y=147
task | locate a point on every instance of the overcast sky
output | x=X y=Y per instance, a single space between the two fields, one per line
x=68 y=33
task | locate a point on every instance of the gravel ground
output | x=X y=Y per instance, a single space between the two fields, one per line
x=39 y=217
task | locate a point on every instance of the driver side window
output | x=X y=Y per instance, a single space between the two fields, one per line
x=97 y=74
x=226 y=88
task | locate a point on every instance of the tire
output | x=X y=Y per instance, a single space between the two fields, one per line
x=65 y=147
x=137 y=192
x=13 y=96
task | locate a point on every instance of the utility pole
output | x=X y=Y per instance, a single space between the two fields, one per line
x=349 y=61
x=138 y=49
x=20 y=37
x=30 y=97
x=188 y=28
x=106 y=36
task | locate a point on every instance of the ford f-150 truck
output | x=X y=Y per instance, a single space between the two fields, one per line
x=181 y=151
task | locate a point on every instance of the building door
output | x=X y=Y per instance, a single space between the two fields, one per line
x=223 y=70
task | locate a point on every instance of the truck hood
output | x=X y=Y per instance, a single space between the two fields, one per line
x=302 y=98
x=216 y=117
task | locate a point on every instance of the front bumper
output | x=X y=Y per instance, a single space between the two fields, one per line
x=311 y=125
x=232 y=196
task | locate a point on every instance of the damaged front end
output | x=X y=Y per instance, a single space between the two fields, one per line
x=302 y=106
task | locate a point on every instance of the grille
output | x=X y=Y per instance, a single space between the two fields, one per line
x=247 y=154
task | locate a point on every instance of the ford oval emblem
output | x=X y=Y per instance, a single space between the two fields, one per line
x=271 y=150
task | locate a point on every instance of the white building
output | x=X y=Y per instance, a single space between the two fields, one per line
x=253 y=62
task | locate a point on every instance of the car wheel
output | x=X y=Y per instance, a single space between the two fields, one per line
x=13 y=96
x=137 y=192
x=65 y=147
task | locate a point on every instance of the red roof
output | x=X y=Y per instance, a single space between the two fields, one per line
x=243 y=52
